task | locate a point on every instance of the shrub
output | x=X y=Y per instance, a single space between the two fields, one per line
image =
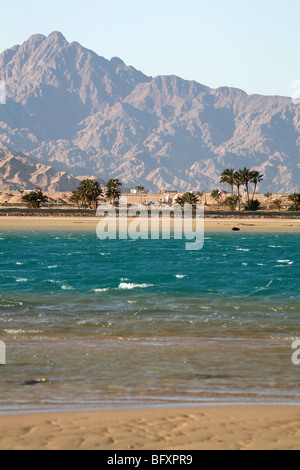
x=252 y=206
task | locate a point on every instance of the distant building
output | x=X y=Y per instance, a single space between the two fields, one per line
x=171 y=191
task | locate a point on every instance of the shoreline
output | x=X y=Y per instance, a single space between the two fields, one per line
x=236 y=427
x=90 y=223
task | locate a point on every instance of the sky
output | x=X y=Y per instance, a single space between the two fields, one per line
x=248 y=44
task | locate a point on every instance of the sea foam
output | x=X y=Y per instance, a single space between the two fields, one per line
x=129 y=286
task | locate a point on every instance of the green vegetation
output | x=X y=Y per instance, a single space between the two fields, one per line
x=238 y=182
x=252 y=206
x=295 y=199
x=244 y=177
x=231 y=202
x=188 y=198
x=35 y=199
x=140 y=189
x=256 y=178
x=87 y=194
x=114 y=183
x=113 y=192
x=228 y=177
x=278 y=204
x=217 y=195
x=268 y=197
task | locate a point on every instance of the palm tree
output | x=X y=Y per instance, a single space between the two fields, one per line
x=238 y=182
x=231 y=202
x=278 y=204
x=216 y=194
x=200 y=194
x=114 y=183
x=94 y=193
x=188 y=198
x=141 y=189
x=29 y=199
x=268 y=196
x=257 y=178
x=295 y=198
x=227 y=177
x=247 y=177
x=76 y=198
x=113 y=194
x=191 y=198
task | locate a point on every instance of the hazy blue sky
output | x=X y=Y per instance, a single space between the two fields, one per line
x=250 y=44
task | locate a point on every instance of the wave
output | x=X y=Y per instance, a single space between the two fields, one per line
x=129 y=286
x=20 y=331
x=123 y=286
x=66 y=287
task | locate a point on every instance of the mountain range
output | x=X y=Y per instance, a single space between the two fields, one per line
x=69 y=109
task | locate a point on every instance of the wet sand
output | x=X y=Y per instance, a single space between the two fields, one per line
x=217 y=428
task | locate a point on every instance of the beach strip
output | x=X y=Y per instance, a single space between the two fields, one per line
x=211 y=225
x=202 y=428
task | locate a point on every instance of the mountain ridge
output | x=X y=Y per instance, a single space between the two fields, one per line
x=20 y=172
x=84 y=114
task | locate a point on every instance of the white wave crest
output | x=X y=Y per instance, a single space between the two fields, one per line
x=129 y=286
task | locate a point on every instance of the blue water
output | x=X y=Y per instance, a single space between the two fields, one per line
x=135 y=323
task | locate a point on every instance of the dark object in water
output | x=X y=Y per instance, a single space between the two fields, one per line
x=34 y=382
x=208 y=376
x=236 y=229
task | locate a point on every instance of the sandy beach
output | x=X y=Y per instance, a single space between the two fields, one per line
x=82 y=223
x=211 y=428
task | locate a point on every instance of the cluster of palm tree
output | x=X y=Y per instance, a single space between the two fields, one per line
x=231 y=201
x=35 y=199
x=242 y=178
x=87 y=194
x=278 y=203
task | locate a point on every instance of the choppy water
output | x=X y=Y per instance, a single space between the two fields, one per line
x=146 y=323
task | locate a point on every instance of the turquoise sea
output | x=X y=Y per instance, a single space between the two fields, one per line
x=146 y=323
